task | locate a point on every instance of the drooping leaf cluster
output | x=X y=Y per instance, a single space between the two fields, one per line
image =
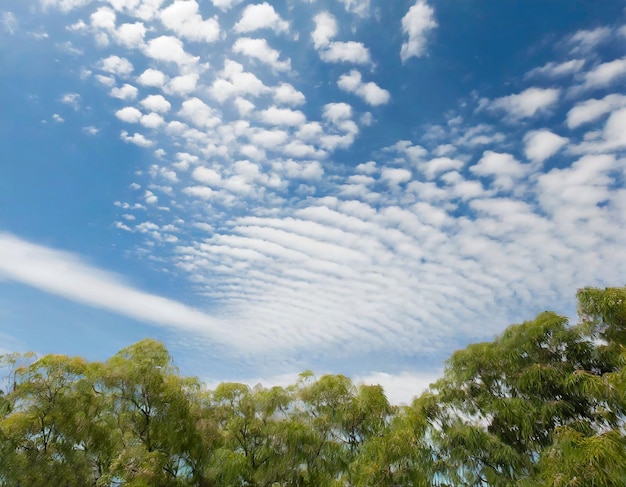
x=541 y=405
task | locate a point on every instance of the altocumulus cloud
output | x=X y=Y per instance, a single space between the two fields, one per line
x=433 y=240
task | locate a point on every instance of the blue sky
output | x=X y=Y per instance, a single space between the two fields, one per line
x=347 y=186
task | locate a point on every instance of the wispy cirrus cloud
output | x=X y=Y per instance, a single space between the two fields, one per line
x=66 y=275
x=8 y=22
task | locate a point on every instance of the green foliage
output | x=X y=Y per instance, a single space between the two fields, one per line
x=543 y=404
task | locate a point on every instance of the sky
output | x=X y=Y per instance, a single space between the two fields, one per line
x=347 y=186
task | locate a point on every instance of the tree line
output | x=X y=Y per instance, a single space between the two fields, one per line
x=542 y=404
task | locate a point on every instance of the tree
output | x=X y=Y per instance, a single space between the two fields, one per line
x=594 y=453
x=542 y=404
x=254 y=438
x=399 y=454
x=499 y=402
x=152 y=406
x=40 y=441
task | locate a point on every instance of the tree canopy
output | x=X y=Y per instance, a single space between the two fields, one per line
x=542 y=404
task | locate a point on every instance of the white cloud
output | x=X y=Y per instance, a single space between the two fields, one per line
x=152 y=77
x=415 y=153
x=65 y=5
x=225 y=5
x=251 y=152
x=504 y=168
x=71 y=99
x=57 y=118
x=169 y=49
x=123 y=226
x=268 y=138
x=554 y=70
x=367 y=168
x=116 y=65
x=124 y=92
x=201 y=192
x=336 y=51
x=104 y=19
x=66 y=275
x=587 y=40
x=183 y=18
x=308 y=256
x=395 y=176
x=367 y=119
x=244 y=107
x=325 y=29
x=149 y=197
x=574 y=192
x=207 y=176
x=131 y=35
x=261 y=16
x=528 y=103
x=370 y=92
x=67 y=47
x=129 y=115
x=234 y=81
x=182 y=85
x=299 y=149
x=611 y=138
x=78 y=26
x=440 y=165
x=286 y=94
x=105 y=80
x=345 y=52
x=542 y=144
x=156 y=103
x=282 y=116
x=199 y=113
x=605 y=74
x=137 y=139
x=310 y=132
x=337 y=112
x=8 y=21
x=418 y=22
x=615 y=129
x=303 y=170
x=339 y=117
x=152 y=120
x=358 y=7
x=591 y=110
x=259 y=49
x=444 y=150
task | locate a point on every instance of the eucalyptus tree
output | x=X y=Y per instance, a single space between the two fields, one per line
x=331 y=420
x=543 y=404
x=593 y=452
x=254 y=438
x=159 y=440
x=499 y=403
x=399 y=454
x=40 y=443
